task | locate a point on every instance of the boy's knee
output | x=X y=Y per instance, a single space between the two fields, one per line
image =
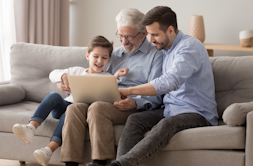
x=54 y=95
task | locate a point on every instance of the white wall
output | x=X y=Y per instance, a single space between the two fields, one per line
x=224 y=19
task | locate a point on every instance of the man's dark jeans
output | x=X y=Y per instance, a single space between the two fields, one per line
x=134 y=148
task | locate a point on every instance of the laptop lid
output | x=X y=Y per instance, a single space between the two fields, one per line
x=91 y=88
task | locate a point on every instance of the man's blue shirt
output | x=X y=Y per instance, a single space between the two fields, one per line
x=187 y=80
x=145 y=64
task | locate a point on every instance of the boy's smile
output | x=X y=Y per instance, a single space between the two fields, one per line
x=98 y=59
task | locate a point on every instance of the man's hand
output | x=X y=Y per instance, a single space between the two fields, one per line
x=63 y=87
x=124 y=92
x=126 y=104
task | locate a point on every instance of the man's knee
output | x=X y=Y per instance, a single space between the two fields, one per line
x=133 y=118
x=173 y=123
x=76 y=109
x=140 y=117
x=98 y=105
x=98 y=110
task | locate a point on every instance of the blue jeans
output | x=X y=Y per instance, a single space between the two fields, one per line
x=55 y=104
x=133 y=148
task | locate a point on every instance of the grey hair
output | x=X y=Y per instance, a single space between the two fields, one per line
x=130 y=17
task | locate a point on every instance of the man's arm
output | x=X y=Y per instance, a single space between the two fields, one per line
x=153 y=70
x=151 y=102
x=144 y=89
x=146 y=93
x=184 y=66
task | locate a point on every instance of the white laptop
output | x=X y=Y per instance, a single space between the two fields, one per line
x=89 y=89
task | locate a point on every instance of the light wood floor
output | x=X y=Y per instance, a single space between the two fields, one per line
x=16 y=163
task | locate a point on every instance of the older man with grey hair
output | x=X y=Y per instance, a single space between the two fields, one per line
x=144 y=63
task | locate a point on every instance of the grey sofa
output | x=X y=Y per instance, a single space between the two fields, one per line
x=221 y=145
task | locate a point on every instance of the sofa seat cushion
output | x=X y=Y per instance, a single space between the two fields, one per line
x=22 y=113
x=212 y=137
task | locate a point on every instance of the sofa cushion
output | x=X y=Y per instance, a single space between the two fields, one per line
x=32 y=63
x=233 y=78
x=225 y=137
x=22 y=113
x=212 y=137
x=235 y=114
x=11 y=93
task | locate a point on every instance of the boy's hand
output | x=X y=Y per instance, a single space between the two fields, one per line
x=65 y=80
x=63 y=87
x=121 y=72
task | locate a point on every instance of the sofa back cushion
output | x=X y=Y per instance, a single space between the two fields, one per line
x=233 y=78
x=32 y=63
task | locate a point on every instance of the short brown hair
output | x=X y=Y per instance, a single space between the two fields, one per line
x=100 y=41
x=163 y=15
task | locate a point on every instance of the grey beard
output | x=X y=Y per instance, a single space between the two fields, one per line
x=130 y=51
x=134 y=47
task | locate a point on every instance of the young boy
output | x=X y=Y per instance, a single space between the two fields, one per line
x=98 y=55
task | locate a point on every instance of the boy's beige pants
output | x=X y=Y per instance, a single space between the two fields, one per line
x=100 y=117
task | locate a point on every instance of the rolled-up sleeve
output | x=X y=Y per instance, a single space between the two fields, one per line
x=183 y=67
x=55 y=75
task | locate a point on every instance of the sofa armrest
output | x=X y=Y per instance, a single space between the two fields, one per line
x=4 y=82
x=235 y=114
x=11 y=93
x=249 y=140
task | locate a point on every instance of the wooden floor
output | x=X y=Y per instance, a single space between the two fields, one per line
x=16 y=163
